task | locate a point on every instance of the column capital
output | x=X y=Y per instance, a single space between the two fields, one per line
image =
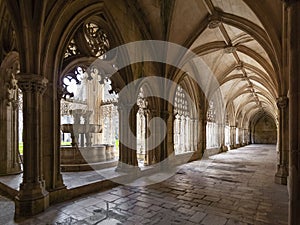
x=32 y=83
x=282 y=102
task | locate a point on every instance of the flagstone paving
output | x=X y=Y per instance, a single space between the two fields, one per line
x=236 y=187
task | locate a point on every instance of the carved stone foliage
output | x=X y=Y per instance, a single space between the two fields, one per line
x=32 y=83
x=9 y=90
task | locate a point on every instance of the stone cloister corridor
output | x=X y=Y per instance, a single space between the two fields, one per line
x=150 y=111
x=236 y=187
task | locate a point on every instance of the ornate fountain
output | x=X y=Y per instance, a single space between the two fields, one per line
x=83 y=154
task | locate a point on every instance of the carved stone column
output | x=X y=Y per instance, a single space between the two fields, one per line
x=9 y=163
x=179 y=135
x=187 y=146
x=127 y=126
x=151 y=153
x=240 y=135
x=245 y=136
x=203 y=134
x=198 y=141
x=87 y=134
x=293 y=43
x=283 y=141
x=232 y=137
x=192 y=132
x=221 y=132
x=32 y=197
x=77 y=113
x=167 y=142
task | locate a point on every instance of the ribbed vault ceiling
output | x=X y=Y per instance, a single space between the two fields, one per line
x=230 y=38
x=241 y=65
x=233 y=42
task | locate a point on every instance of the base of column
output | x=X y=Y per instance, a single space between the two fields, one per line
x=126 y=168
x=31 y=200
x=224 y=148
x=281 y=175
x=59 y=182
x=232 y=147
x=129 y=174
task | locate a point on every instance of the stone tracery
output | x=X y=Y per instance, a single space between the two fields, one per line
x=184 y=131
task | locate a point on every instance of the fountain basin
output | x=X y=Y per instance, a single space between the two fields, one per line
x=87 y=158
x=81 y=128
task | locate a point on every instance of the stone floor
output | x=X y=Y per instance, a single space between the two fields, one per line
x=236 y=187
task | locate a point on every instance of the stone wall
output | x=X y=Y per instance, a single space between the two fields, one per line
x=265 y=131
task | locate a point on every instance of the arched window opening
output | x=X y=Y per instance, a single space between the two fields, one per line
x=212 y=133
x=89 y=117
x=184 y=124
x=73 y=104
x=141 y=122
x=227 y=131
x=110 y=117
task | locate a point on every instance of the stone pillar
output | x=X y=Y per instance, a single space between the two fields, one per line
x=221 y=131
x=207 y=135
x=232 y=137
x=9 y=163
x=175 y=133
x=147 y=133
x=87 y=134
x=51 y=139
x=187 y=135
x=164 y=150
x=199 y=143
x=77 y=113
x=150 y=153
x=192 y=134
x=127 y=126
x=293 y=39
x=240 y=130
x=245 y=136
x=32 y=197
x=179 y=135
x=182 y=134
x=283 y=141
